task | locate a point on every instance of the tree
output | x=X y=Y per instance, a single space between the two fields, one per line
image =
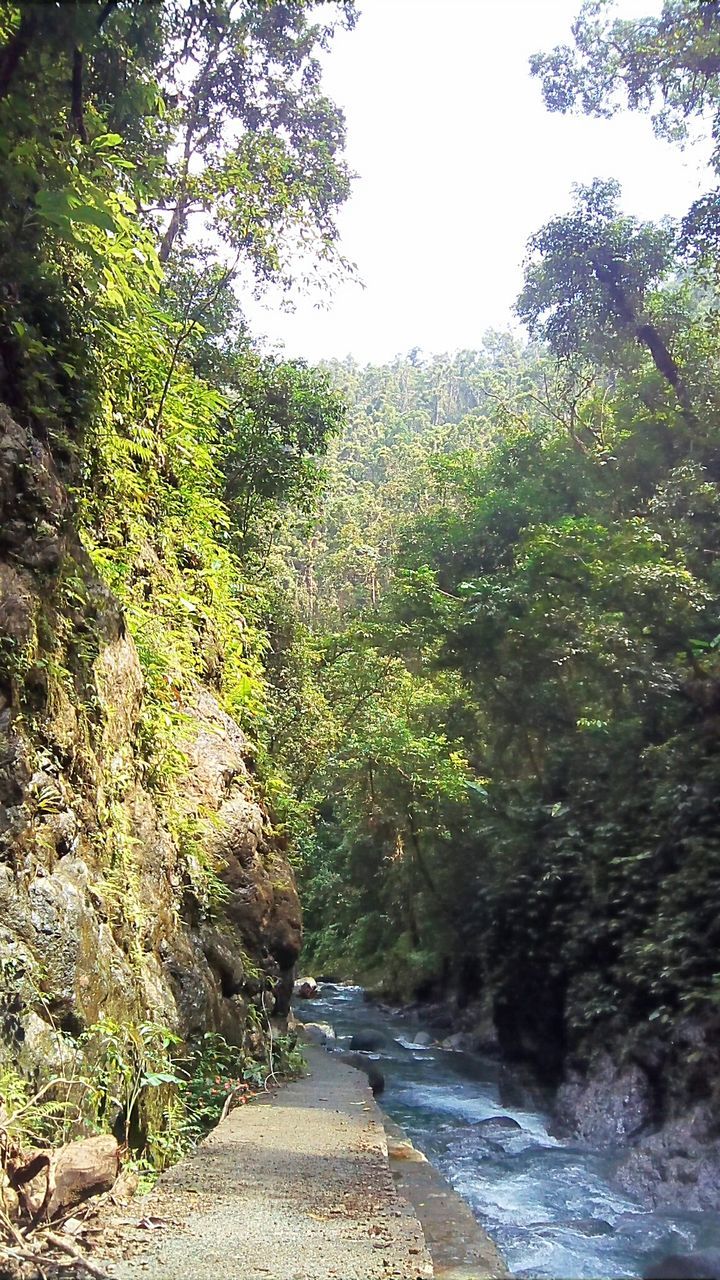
x=587 y=282
x=667 y=65
x=259 y=143
x=280 y=418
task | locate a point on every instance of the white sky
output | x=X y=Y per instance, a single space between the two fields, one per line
x=458 y=164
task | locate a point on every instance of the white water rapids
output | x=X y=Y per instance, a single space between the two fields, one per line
x=550 y=1206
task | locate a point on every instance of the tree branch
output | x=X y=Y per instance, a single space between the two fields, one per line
x=106 y=11
x=646 y=334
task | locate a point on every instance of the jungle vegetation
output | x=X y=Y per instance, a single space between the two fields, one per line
x=465 y=606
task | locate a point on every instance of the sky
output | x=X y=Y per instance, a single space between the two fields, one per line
x=458 y=163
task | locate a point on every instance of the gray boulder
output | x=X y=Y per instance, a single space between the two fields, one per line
x=704 y=1265
x=367 y=1041
x=319 y=1032
x=456 y=1042
x=497 y=1129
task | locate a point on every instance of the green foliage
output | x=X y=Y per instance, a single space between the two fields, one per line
x=129 y=1064
x=588 y=275
x=501 y=757
x=137 y=1078
x=125 y=354
x=280 y=420
x=667 y=64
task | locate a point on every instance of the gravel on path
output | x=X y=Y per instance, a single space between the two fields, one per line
x=295 y=1186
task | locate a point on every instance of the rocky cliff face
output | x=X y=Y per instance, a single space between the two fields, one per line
x=126 y=890
x=660 y=1102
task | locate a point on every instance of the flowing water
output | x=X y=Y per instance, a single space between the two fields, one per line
x=551 y=1207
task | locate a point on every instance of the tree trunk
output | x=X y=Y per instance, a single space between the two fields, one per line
x=15 y=50
x=646 y=335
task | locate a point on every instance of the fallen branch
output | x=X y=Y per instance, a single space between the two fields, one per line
x=24 y=1255
x=12 y=1230
x=239 y=1088
x=76 y=1255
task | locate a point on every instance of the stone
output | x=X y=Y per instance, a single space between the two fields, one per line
x=305 y=988
x=704 y=1265
x=319 y=1032
x=99 y=906
x=610 y=1106
x=424 y=1039
x=496 y=1130
x=368 y=1041
x=678 y=1164
x=82 y=1169
x=504 y=1124
x=403 y=1149
x=589 y=1226
x=455 y=1043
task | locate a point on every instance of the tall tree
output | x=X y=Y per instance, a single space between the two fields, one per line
x=666 y=64
x=588 y=280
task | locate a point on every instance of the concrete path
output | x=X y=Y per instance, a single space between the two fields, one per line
x=293 y=1187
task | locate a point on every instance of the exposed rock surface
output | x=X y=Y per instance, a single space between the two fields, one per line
x=319 y=1032
x=368 y=1041
x=704 y=1265
x=672 y=1137
x=104 y=906
x=607 y=1108
x=305 y=988
x=678 y=1164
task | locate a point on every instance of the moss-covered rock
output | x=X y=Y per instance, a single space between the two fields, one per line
x=124 y=890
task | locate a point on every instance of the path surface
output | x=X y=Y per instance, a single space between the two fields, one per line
x=295 y=1187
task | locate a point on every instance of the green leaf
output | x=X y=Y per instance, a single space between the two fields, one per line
x=105 y=140
x=91 y=216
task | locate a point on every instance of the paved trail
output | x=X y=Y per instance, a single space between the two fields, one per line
x=295 y=1187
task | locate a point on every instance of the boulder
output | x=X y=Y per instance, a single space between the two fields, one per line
x=499 y=1122
x=456 y=1043
x=704 y=1265
x=423 y=1039
x=367 y=1041
x=305 y=988
x=497 y=1129
x=589 y=1226
x=83 y=1169
x=319 y=1032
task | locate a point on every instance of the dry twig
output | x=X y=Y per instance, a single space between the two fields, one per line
x=79 y=1258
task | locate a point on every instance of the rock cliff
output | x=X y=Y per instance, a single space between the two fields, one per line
x=130 y=886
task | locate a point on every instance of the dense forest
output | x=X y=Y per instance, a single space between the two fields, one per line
x=461 y=610
x=502 y=704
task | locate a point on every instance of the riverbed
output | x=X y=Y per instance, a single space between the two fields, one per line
x=552 y=1207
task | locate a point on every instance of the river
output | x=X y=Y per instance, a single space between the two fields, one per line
x=551 y=1207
